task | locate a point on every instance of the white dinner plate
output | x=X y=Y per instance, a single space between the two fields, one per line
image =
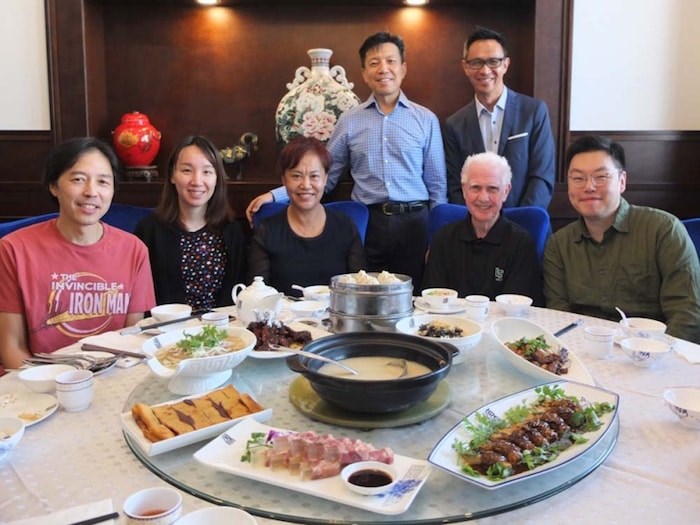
x=510 y=329
x=166 y=445
x=315 y=331
x=30 y=407
x=458 y=306
x=224 y=454
x=445 y=457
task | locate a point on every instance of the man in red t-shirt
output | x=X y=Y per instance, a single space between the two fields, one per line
x=73 y=276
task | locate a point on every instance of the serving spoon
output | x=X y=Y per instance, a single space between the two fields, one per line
x=625 y=321
x=311 y=355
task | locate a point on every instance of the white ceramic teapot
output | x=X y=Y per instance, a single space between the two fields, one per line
x=255 y=297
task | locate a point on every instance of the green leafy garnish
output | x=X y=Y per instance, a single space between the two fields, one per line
x=208 y=338
x=469 y=471
x=529 y=346
x=482 y=430
x=257 y=440
x=499 y=471
x=549 y=392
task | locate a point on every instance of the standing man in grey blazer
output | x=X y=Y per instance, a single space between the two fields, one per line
x=500 y=120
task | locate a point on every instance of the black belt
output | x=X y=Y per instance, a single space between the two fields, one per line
x=398 y=208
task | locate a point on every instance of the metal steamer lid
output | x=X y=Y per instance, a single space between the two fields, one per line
x=405 y=285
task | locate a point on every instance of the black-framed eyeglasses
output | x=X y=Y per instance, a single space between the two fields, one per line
x=478 y=63
x=580 y=180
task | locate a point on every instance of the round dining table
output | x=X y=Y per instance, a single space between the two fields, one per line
x=645 y=470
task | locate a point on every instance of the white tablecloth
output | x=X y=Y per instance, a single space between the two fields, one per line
x=652 y=475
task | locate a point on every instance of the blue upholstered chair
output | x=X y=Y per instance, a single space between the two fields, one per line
x=693 y=227
x=125 y=216
x=9 y=227
x=534 y=220
x=357 y=211
x=122 y=216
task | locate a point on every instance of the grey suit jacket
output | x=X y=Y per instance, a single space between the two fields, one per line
x=526 y=141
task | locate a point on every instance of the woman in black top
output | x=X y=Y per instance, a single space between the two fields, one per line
x=197 y=251
x=307 y=244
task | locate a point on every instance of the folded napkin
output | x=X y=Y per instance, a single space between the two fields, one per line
x=690 y=351
x=71 y=515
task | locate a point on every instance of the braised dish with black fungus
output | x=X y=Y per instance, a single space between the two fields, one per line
x=440 y=329
x=540 y=353
x=277 y=334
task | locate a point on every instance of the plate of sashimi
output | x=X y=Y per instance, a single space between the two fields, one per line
x=280 y=457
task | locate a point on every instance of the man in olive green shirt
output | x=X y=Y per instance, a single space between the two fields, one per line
x=636 y=258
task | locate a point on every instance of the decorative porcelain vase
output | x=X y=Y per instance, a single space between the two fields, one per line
x=316 y=99
x=136 y=141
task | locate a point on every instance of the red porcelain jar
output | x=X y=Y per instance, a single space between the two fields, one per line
x=135 y=140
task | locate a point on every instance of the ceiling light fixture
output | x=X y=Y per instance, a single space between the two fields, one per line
x=207 y=2
x=415 y=2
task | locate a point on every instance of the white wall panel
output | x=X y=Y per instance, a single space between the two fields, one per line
x=635 y=65
x=24 y=85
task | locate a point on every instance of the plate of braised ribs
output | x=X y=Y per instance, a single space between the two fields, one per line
x=536 y=352
x=293 y=335
x=526 y=434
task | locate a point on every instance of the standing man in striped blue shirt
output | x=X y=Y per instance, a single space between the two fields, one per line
x=394 y=150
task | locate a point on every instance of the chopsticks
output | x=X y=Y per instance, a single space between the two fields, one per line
x=138 y=329
x=88 y=347
x=96 y=519
x=568 y=327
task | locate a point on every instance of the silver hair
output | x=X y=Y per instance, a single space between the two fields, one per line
x=492 y=160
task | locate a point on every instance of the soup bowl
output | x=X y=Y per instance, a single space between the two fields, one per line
x=317 y=292
x=642 y=327
x=197 y=374
x=374 y=396
x=645 y=352
x=470 y=336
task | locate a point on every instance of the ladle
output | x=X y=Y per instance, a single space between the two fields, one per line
x=625 y=321
x=311 y=355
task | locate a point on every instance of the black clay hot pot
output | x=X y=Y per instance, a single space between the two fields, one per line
x=374 y=396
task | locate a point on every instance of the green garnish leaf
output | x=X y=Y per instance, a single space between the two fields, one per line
x=257 y=440
x=208 y=338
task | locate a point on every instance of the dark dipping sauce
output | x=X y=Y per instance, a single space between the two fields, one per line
x=370 y=478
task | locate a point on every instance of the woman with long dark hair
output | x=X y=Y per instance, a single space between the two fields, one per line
x=197 y=250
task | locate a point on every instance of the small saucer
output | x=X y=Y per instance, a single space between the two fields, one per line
x=307 y=401
x=460 y=305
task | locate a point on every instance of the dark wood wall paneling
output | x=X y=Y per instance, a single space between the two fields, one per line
x=662 y=171
x=221 y=72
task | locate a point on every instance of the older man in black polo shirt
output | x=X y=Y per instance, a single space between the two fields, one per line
x=485 y=254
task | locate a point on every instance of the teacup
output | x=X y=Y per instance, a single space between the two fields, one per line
x=153 y=506
x=599 y=340
x=477 y=307
x=75 y=390
x=215 y=318
x=439 y=298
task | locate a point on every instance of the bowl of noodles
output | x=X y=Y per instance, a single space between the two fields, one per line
x=198 y=359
